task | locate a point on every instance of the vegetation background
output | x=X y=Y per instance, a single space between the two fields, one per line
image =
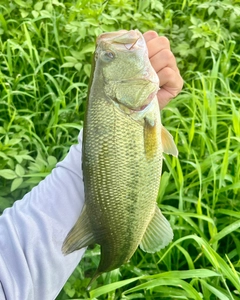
x=45 y=61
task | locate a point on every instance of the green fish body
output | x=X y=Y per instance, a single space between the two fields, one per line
x=123 y=145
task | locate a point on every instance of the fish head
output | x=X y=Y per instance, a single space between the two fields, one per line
x=128 y=76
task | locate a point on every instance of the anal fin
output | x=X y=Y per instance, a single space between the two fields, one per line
x=80 y=235
x=158 y=233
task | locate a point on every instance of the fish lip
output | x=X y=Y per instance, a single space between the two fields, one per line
x=109 y=35
x=121 y=36
x=131 y=40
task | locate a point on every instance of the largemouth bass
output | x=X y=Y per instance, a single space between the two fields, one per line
x=123 y=145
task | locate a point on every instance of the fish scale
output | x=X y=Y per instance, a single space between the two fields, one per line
x=122 y=155
x=131 y=184
x=127 y=174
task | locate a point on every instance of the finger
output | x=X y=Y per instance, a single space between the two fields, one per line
x=170 y=79
x=171 y=84
x=164 y=97
x=149 y=35
x=162 y=59
x=157 y=44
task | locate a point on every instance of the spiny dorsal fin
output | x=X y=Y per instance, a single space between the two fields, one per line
x=158 y=233
x=168 y=143
x=80 y=235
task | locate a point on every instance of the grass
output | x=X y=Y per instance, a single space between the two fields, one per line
x=46 y=50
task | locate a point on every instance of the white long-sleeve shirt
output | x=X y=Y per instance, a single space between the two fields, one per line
x=32 y=266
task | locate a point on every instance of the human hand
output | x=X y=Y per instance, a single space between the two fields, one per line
x=164 y=63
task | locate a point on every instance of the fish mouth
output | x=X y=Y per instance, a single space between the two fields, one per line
x=123 y=39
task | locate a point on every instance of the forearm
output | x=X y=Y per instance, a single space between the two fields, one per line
x=32 y=265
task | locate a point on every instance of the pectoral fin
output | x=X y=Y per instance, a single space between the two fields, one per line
x=150 y=140
x=168 y=143
x=158 y=233
x=80 y=235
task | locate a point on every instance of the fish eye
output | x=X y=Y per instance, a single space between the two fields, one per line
x=108 y=56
